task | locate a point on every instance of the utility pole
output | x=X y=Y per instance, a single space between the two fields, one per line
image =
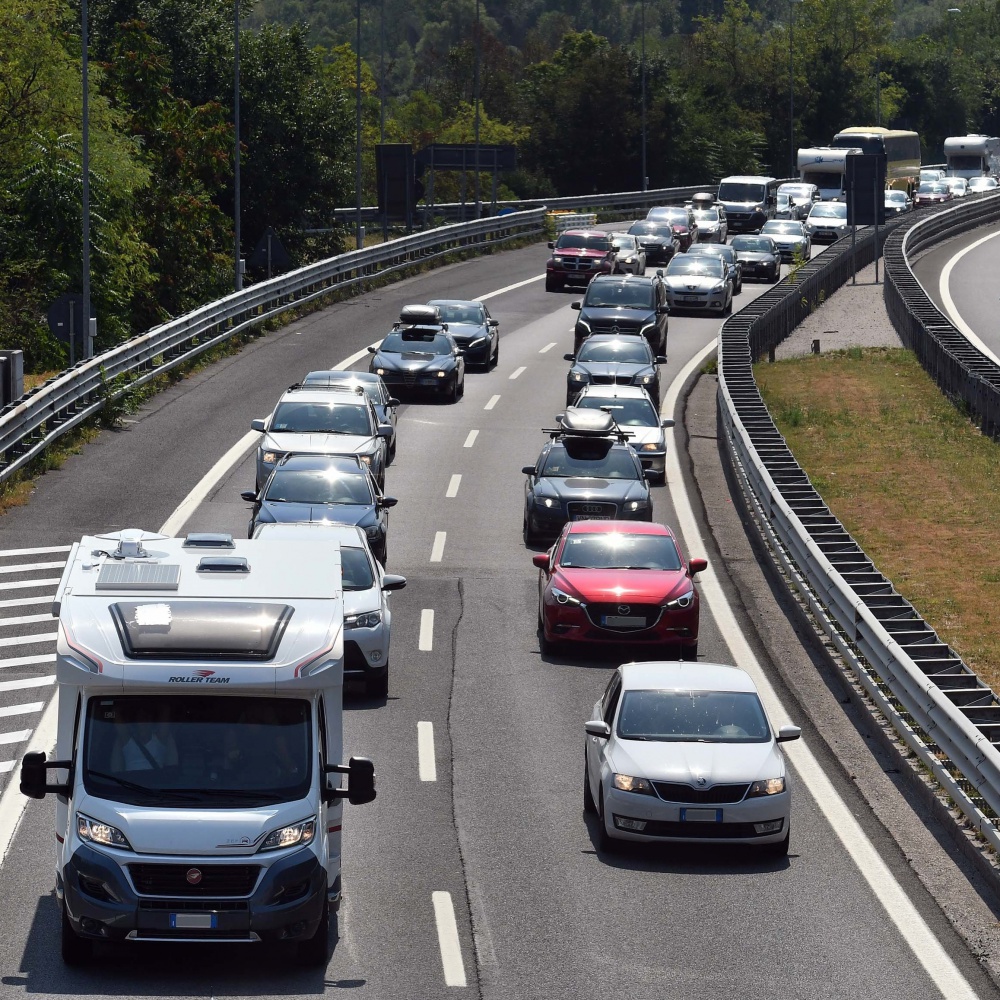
x=238 y=280
x=88 y=345
x=359 y=237
x=476 y=89
x=645 y=179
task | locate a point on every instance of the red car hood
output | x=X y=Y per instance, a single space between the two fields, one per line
x=645 y=586
x=579 y=252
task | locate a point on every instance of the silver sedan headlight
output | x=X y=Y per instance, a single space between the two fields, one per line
x=369 y=619
x=629 y=783
x=769 y=786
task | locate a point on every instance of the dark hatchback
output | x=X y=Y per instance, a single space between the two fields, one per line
x=759 y=257
x=605 y=359
x=659 y=239
x=624 y=305
x=424 y=359
x=475 y=331
x=310 y=488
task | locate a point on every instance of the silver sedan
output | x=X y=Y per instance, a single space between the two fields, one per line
x=791 y=238
x=631 y=256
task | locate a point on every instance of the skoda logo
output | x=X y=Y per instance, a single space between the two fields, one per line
x=701 y=781
x=193 y=876
x=624 y=609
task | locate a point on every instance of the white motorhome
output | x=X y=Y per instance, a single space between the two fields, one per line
x=826 y=167
x=199 y=719
x=972 y=156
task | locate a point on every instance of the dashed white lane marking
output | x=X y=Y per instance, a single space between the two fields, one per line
x=437 y=550
x=425 y=641
x=34 y=552
x=471 y=439
x=509 y=288
x=6 y=766
x=898 y=906
x=26 y=619
x=25 y=584
x=28 y=682
x=451 y=948
x=949 y=303
x=426 y=763
x=20 y=602
x=453 y=485
x=516 y=372
x=19 y=737
x=25 y=661
x=547 y=348
x=492 y=402
x=26 y=709
x=32 y=567
x=28 y=640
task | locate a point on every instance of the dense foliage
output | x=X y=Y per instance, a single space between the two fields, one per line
x=560 y=79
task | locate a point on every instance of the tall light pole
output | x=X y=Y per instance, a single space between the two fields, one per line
x=476 y=94
x=791 y=89
x=357 y=121
x=88 y=346
x=642 y=73
x=238 y=279
x=951 y=30
x=381 y=72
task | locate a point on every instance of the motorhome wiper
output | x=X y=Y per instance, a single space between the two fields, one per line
x=136 y=787
x=234 y=793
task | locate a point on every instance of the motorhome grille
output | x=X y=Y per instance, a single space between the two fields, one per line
x=214 y=880
x=142 y=576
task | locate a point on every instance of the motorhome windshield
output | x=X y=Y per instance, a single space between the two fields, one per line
x=175 y=751
x=742 y=192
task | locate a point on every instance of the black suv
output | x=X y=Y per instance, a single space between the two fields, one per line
x=624 y=305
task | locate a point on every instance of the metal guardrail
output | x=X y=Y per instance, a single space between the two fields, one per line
x=944 y=713
x=33 y=422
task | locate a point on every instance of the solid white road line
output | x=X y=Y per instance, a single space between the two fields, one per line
x=547 y=348
x=26 y=709
x=32 y=567
x=19 y=602
x=517 y=371
x=18 y=737
x=451 y=948
x=949 y=303
x=492 y=402
x=27 y=619
x=28 y=640
x=4 y=553
x=27 y=584
x=509 y=288
x=26 y=661
x=426 y=764
x=425 y=642
x=437 y=550
x=471 y=439
x=901 y=911
x=453 y=486
x=28 y=682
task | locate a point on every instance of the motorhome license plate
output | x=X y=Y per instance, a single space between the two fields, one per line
x=192 y=921
x=619 y=621
x=701 y=815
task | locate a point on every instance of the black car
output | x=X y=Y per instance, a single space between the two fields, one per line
x=605 y=359
x=420 y=354
x=759 y=257
x=309 y=488
x=728 y=254
x=586 y=471
x=374 y=388
x=658 y=239
x=624 y=304
x=475 y=331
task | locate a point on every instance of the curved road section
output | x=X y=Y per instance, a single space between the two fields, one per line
x=475 y=872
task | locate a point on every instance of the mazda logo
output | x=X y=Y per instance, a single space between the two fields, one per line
x=624 y=609
x=193 y=876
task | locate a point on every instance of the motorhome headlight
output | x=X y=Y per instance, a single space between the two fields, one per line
x=368 y=620
x=296 y=835
x=96 y=832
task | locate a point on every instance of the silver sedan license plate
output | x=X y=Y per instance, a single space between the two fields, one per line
x=701 y=815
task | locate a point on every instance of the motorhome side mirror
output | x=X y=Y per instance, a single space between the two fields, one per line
x=392 y=582
x=388 y=502
x=258 y=425
x=360 y=781
x=667 y=422
x=528 y=470
x=249 y=495
x=697 y=566
x=788 y=733
x=33 y=780
x=578 y=305
x=598 y=728
x=541 y=560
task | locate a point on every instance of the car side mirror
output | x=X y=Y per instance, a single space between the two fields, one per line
x=393 y=582
x=249 y=495
x=541 y=560
x=392 y=401
x=372 y=348
x=258 y=425
x=788 y=733
x=598 y=728
x=569 y=357
x=697 y=566
x=661 y=359
x=662 y=310
x=388 y=502
x=528 y=470
x=552 y=245
x=385 y=430
x=493 y=322
x=576 y=305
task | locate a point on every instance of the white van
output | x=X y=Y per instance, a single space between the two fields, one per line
x=199 y=721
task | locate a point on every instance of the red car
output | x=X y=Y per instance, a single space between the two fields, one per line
x=577 y=255
x=932 y=193
x=618 y=582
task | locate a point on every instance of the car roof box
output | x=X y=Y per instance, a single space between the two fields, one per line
x=420 y=315
x=584 y=422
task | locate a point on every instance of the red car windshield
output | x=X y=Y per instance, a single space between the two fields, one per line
x=571 y=242
x=614 y=550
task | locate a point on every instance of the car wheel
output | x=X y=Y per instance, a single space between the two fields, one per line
x=454 y=394
x=551 y=285
x=589 y=805
x=547 y=647
x=778 y=850
x=729 y=307
x=739 y=287
x=689 y=652
x=315 y=951
x=496 y=357
x=377 y=682
x=530 y=538
x=461 y=391
x=777 y=277
x=605 y=842
x=76 y=950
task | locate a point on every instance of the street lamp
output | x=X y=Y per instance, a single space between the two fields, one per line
x=951 y=30
x=88 y=344
x=642 y=73
x=357 y=121
x=791 y=89
x=238 y=277
x=476 y=95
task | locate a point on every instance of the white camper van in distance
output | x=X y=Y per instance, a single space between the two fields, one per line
x=199 y=723
x=826 y=167
x=972 y=156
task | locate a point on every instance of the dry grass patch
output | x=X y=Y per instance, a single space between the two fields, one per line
x=910 y=477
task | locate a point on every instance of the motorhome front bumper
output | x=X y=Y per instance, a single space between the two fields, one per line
x=284 y=903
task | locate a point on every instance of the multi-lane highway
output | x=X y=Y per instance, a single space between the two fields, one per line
x=475 y=872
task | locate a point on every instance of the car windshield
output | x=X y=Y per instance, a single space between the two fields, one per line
x=589 y=460
x=933 y=187
x=741 y=192
x=897 y=196
x=296 y=417
x=712 y=250
x=318 y=486
x=617 y=551
x=461 y=312
x=623 y=242
x=706 y=214
x=782 y=200
x=783 y=228
x=702 y=266
x=627 y=412
x=693 y=717
x=356 y=568
x=651 y=229
x=755 y=244
x=619 y=295
x=831 y=210
x=167 y=751
x=629 y=351
x=795 y=191
x=667 y=214
x=372 y=389
x=404 y=342
x=575 y=242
